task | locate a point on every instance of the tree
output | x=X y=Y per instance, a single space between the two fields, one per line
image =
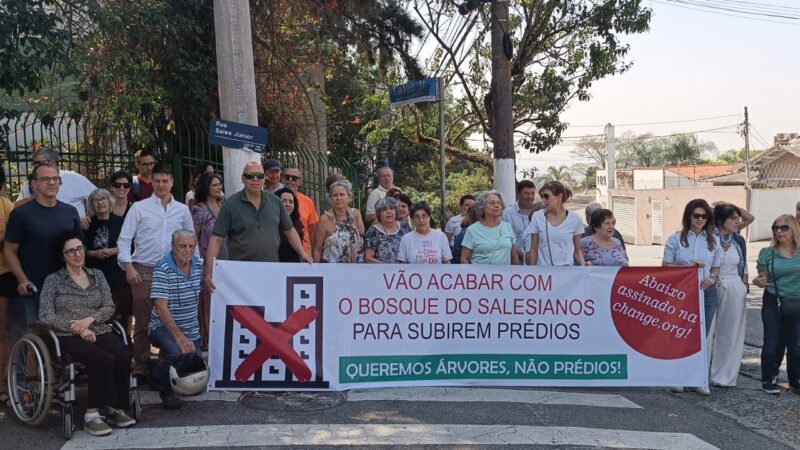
x=37 y=38
x=735 y=156
x=593 y=149
x=560 y=49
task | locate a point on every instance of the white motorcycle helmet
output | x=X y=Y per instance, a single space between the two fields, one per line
x=188 y=375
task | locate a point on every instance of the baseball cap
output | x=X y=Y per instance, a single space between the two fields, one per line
x=272 y=164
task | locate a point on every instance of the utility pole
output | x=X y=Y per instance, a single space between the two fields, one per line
x=611 y=163
x=503 y=120
x=746 y=149
x=236 y=78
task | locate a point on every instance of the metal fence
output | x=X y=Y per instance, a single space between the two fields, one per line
x=93 y=154
x=98 y=153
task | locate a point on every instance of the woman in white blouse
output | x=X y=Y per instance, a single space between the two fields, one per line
x=555 y=232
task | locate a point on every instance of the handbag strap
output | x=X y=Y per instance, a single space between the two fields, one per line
x=775 y=276
x=547 y=234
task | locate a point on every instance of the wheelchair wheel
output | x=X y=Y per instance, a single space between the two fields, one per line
x=30 y=379
x=136 y=406
x=68 y=421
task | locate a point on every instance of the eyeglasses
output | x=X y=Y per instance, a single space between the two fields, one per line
x=147 y=164
x=544 y=196
x=700 y=216
x=74 y=251
x=735 y=218
x=781 y=228
x=121 y=185
x=56 y=180
x=254 y=175
x=290 y=177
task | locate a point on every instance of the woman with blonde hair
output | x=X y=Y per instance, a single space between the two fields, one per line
x=340 y=231
x=779 y=274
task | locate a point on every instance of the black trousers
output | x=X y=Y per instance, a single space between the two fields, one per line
x=781 y=335
x=108 y=368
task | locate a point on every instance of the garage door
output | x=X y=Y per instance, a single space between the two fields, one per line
x=658 y=220
x=624 y=209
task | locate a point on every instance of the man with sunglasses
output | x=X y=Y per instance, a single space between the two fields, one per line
x=251 y=220
x=31 y=232
x=293 y=179
x=75 y=188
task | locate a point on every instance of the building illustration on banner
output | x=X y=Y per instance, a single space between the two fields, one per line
x=277 y=346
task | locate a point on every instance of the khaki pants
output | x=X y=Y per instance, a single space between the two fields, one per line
x=142 y=307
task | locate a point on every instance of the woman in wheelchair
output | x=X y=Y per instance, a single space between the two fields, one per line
x=76 y=303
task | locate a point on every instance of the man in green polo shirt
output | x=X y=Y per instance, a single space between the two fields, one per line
x=251 y=220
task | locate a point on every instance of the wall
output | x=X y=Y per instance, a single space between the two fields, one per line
x=674 y=200
x=766 y=205
x=648 y=178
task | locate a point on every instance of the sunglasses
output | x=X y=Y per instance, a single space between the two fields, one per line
x=781 y=228
x=544 y=196
x=121 y=185
x=74 y=251
x=254 y=175
x=291 y=177
x=700 y=216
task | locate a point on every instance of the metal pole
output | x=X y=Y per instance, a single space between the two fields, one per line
x=746 y=149
x=441 y=150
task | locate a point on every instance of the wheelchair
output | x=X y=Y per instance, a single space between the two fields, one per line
x=39 y=374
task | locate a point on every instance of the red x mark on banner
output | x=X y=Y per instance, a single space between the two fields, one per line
x=274 y=341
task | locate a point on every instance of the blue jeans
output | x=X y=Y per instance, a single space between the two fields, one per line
x=169 y=353
x=781 y=335
x=710 y=305
x=22 y=313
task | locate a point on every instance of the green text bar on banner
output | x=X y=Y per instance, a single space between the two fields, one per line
x=341 y=326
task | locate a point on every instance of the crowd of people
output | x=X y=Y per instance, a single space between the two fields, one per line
x=76 y=255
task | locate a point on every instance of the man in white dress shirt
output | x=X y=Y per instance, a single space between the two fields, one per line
x=149 y=226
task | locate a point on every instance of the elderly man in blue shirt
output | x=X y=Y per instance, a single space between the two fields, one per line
x=174 y=326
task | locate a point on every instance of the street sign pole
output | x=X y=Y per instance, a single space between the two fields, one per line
x=441 y=152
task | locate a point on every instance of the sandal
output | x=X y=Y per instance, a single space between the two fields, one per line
x=5 y=400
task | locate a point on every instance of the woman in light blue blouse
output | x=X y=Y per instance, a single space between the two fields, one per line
x=697 y=245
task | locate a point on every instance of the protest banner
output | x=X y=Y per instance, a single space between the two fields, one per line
x=342 y=326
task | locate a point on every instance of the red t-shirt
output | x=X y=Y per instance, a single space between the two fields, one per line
x=145 y=189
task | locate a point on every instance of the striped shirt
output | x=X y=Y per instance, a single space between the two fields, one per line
x=181 y=293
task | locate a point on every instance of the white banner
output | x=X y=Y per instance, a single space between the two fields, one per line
x=342 y=326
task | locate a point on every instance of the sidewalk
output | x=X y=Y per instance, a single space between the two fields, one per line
x=651 y=255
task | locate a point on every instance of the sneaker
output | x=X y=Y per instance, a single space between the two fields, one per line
x=771 y=386
x=118 y=418
x=676 y=389
x=170 y=400
x=97 y=427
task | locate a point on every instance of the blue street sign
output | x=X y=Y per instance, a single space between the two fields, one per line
x=415 y=92
x=237 y=135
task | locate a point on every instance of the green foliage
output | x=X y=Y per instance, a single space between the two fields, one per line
x=560 y=49
x=456 y=184
x=37 y=38
x=146 y=63
x=647 y=151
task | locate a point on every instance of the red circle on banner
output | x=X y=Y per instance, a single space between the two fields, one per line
x=657 y=312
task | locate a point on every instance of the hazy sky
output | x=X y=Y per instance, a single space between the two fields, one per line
x=693 y=65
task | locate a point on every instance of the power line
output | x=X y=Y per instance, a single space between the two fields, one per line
x=715 y=5
x=664 y=2
x=658 y=123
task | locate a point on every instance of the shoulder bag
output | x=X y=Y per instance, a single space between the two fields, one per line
x=789 y=307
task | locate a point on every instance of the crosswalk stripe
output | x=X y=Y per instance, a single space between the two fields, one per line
x=390 y=434
x=443 y=394
x=436 y=394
